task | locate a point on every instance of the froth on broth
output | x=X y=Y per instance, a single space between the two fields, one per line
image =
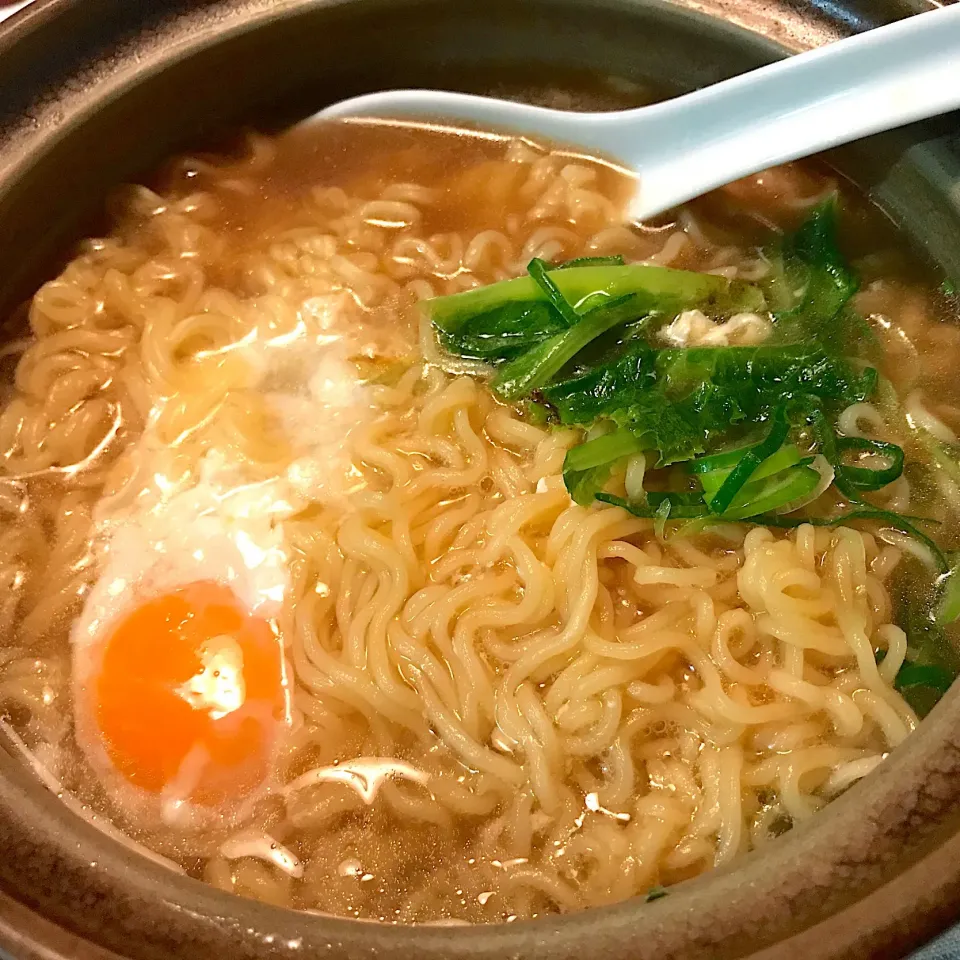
x=307 y=611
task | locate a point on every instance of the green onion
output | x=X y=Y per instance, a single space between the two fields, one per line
x=850 y=480
x=759 y=496
x=783 y=478
x=868 y=478
x=750 y=461
x=716 y=462
x=864 y=511
x=715 y=469
x=681 y=506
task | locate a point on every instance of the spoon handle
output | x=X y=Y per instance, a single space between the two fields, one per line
x=849 y=89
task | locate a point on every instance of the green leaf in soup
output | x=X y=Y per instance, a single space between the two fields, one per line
x=679 y=399
x=662 y=426
x=614 y=261
x=662 y=506
x=948 y=588
x=603 y=389
x=759 y=376
x=716 y=408
x=535 y=368
x=503 y=332
x=587 y=467
x=810 y=284
x=771 y=493
x=657 y=289
x=625 y=392
x=718 y=386
x=933 y=661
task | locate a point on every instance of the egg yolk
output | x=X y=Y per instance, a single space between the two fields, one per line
x=189 y=699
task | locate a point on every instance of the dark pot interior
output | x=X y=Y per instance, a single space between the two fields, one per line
x=95 y=92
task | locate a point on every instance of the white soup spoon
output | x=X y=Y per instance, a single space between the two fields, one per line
x=684 y=147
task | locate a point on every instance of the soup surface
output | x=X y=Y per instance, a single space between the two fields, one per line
x=297 y=598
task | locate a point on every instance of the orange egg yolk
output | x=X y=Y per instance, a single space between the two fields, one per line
x=190 y=698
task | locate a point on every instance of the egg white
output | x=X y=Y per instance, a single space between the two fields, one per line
x=168 y=528
x=219 y=530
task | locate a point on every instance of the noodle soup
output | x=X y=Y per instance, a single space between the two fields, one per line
x=312 y=591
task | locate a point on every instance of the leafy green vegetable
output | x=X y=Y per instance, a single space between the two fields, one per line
x=603 y=389
x=656 y=288
x=810 y=285
x=682 y=400
x=615 y=261
x=663 y=427
x=948 y=587
x=655 y=893
x=666 y=506
x=531 y=370
x=932 y=660
x=504 y=332
x=687 y=403
x=718 y=382
x=586 y=468
x=574 y=343
x=765 y=375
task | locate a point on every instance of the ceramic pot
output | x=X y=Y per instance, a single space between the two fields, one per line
x=94 y=93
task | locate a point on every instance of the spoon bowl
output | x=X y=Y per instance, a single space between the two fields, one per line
x=685 y=147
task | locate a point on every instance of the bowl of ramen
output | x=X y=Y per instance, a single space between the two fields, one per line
x=405 y=555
